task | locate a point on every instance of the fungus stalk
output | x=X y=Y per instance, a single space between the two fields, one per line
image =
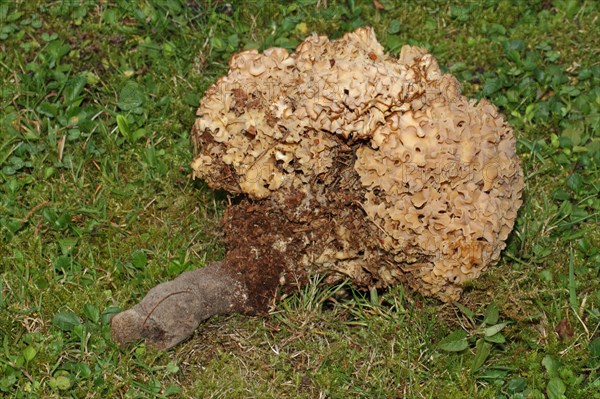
x=171 y=311
x=348 y=163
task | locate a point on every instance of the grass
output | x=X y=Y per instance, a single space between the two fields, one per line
x=96 y=206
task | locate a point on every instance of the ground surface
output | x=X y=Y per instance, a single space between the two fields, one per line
x=96 y=206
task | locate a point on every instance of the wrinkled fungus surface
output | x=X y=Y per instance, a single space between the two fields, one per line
x=358 y=165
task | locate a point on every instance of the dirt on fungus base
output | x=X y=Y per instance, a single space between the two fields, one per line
x=274 y=244
x=252 y=233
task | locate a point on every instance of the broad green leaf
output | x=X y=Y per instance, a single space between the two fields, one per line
x=455 y=342
x=73 y=88
x=61 y=382
x=492 y=374
x=7 y=382
x=56 y=50
x=79 y=331
x=49 y=171
x=91 y=312
x=483 y=350
x=394 y=43
x=29 y=353
x=286 y=42
x=130 y=97
x=556 y=389
x=150 y=155
x=67 y=245
x=552 y=365
x=374 y=297
x=234 y=41
x=491 y=314
x=66 y=321
x=14 y=226
x=168 y=49
x=172 y=390
x=172 y=368
x=465 y=310
x=458 y=67
x=496 y=339
x=575 y=182
x=394 y=27
x=139 y=259
x=123 y=125
x=573 y=132
x=595 y=348
x=534 y=394
x=217 y=44
x=560 y=195
x=108 y=313
x=191 y=99
x=495 y=329
x=138 y=134
x=4 y=11
x=516 y=385
x=48 y=109
x=176 y=267
x=491 y=86
x=63 y=263
x=497 y=29
x=81 y=370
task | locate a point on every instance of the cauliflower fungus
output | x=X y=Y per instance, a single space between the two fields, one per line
x=354 y=164
x=436 y=176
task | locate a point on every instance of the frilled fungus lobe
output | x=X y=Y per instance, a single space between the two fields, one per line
x=358 y=165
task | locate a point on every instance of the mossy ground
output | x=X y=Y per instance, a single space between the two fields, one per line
x=96 y=206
